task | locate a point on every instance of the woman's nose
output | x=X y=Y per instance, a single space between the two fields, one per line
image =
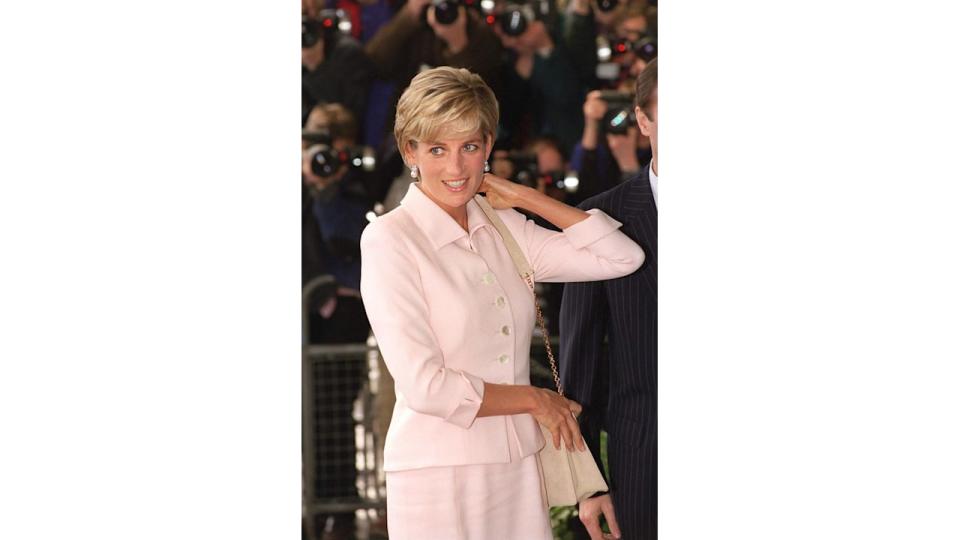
x=455 y=165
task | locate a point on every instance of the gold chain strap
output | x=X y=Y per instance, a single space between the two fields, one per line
x=546 y=336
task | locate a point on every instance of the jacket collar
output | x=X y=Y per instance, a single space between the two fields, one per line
x=439 y=227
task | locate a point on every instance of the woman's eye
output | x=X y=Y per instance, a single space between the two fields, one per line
x=470 y=147
x=436 y=150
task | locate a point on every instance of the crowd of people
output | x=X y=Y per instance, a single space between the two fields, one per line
x=563 y=74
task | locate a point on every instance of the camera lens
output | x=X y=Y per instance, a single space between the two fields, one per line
x=445 y=11
x=513 y=22
x=606 y=6
x=325 y=162
x=646 y=49
x=309 y=35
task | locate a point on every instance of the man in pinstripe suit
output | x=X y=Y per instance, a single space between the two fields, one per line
x=617 y=383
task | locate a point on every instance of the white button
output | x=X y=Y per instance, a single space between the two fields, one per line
x=503 y=359
x=501 y=301
x=505 y=330
x=488 y=278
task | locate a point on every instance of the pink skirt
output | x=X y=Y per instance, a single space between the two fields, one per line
x=499 y=501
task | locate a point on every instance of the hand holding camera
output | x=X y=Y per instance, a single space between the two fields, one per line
x=449 y=22
x=413 y=8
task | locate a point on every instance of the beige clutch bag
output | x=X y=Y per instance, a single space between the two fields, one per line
x=568 y=476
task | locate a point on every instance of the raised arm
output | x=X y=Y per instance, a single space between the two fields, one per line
x=589 y=248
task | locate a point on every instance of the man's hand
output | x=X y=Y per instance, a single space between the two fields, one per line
x=415 y=7
x=594 y=107
x=454 y=35
x=590 y=511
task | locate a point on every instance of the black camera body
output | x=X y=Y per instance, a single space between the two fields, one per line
x=327 y=23
x=526 y=172
x=447 y=11
x=620 y=113
x=326 y=160
x=644 y=48
x=516 y=17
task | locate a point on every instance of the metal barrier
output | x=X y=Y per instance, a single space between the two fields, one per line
x=330 y=373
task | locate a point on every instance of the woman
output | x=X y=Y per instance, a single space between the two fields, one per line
x=454 y=321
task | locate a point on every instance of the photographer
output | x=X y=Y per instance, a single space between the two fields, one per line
x=334 y=68
x=609 y=132
x=543 y=84
x=623 y=22
x=337 y=197
x=433 y=33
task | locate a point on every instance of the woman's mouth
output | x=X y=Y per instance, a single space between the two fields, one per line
x=456 y=185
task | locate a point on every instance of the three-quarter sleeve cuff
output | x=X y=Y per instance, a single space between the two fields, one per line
x=588 y=231
x=466 y=410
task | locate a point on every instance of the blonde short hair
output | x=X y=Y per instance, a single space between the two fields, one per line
x=445 y=101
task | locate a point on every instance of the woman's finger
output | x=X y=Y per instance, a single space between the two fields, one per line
x=577 y=436
x=567 y=436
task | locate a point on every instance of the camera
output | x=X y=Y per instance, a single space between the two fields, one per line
x=620 y=114
x=610 y=47
x=524 y=167
x=447 y=11
x=516 y=18
x=327 y=23
x=644 y=48
x=607 y=6
x=527 y=173
x=325 y=160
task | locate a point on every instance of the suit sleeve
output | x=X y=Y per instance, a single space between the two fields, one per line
x=394 y=301
x=589 y=250
x=584 y=316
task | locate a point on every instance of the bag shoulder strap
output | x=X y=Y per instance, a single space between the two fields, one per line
x=519 y=260
x=526 y=273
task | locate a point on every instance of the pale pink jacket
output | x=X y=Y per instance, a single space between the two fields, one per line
x=450 y=311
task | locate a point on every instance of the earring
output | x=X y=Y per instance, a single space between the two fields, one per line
x=486 y=166
x=414 y=172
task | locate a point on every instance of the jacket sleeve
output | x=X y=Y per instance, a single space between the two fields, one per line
x=584 y=316
x=396 y=307
x=589 y=250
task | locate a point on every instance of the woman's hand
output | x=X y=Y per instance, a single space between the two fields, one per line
x=559 y=415
x=501 y=193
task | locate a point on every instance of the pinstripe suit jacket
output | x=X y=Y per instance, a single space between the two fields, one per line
x=617 y=383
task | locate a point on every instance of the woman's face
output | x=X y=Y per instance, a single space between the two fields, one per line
x=451 y=169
